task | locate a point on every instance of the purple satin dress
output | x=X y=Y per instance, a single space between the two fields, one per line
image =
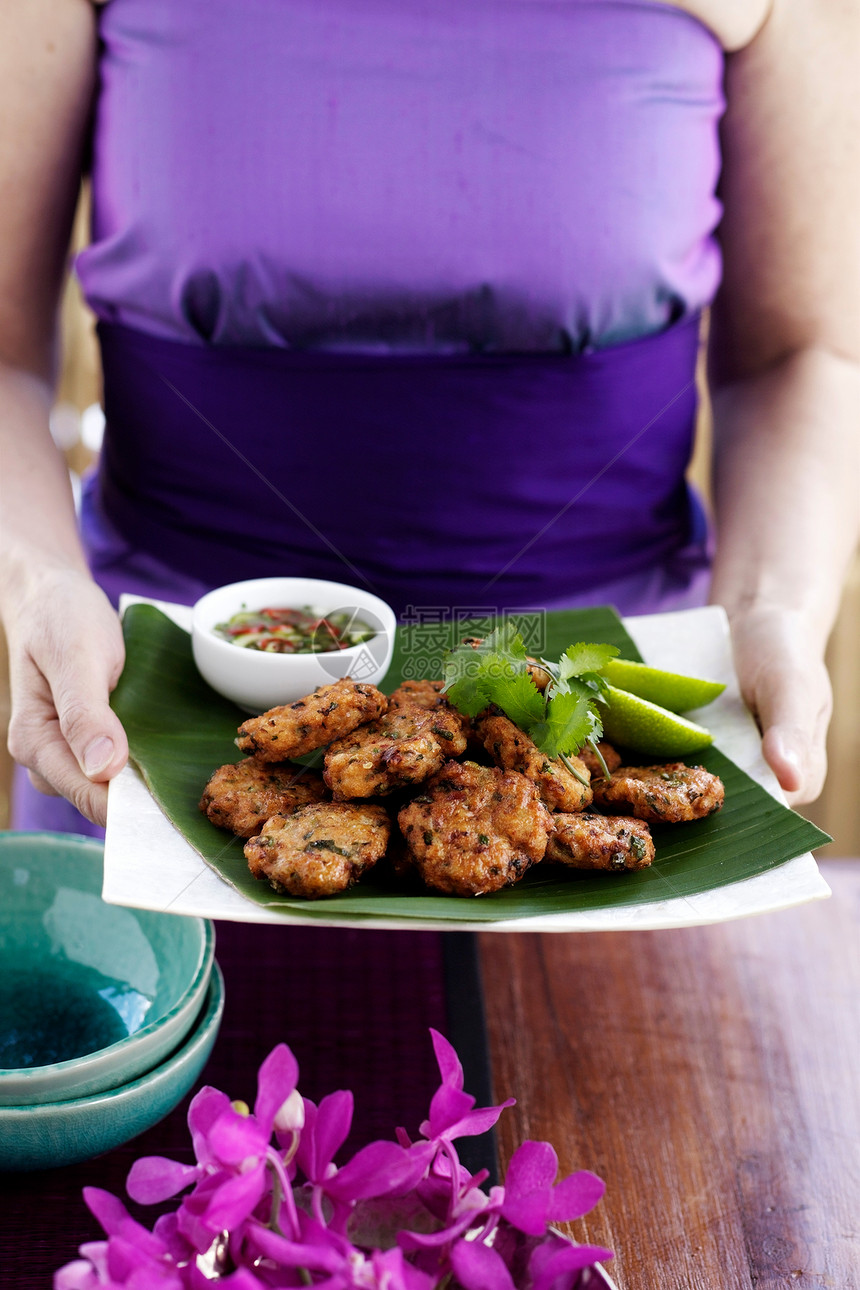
x=404 y=294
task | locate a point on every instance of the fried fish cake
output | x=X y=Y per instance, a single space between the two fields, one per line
x=424 y=694
x=320 y=849
x=243 y=796
x=668 y=794
x=331 y=712
x=475 y=828
x=513 y=750
x=609 y=755
x=428 y=694
x=404 y=747
x=588 y=841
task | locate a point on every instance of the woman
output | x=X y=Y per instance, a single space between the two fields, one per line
x=467 y=248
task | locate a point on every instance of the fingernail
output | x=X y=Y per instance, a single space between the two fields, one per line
x=98 y=755
x=787 y=752
x=790 y=753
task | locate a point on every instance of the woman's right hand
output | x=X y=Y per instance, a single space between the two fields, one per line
x=65 y=645
x=65 y=656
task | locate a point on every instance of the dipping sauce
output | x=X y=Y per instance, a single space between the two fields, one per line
x=294 y=631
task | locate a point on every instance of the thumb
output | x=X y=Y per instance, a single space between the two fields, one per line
x=793 y=708
x=92 y=730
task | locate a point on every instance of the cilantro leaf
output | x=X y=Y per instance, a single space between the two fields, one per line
x=572 y=685
x=481 y=674
x=519 y=698
x=568 y=723
x=495 y=671
x=598 y=684
x=582 y=658
x=596 y=731
x=466 y=681
x=504 y=639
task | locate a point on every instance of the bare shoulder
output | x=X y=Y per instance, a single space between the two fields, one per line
x=47 y=18
x=47 y=79
x=733 y=22
x=791 y=190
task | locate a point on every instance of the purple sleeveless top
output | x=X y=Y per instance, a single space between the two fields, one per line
x=403 y=284
x=500 y=175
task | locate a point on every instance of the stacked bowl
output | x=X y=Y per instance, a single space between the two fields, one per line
x=107 y=1015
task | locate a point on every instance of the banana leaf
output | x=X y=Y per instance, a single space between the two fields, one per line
x=180 y=730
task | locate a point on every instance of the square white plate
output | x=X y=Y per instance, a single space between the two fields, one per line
x=149 y=864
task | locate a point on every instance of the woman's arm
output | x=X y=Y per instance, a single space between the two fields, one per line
x=785 y=364
x=65 y=647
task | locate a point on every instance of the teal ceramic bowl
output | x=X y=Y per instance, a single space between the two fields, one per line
x=63 y=1133
x=91 y=995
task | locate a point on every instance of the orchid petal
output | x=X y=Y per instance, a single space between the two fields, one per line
x=116 y=1220
x=107 y=1208
x=447 y=1107
x=191 y=1223
x=478 y=1267
x=378 y=1169
x=234 y=1202
x=575 y=1196
x=528 y=1213
x=279 y=1075
x=334 y=1121
x=166 y=1230
x=154 y=1277
x=155 y=1178
x=430 y=1240
x=241 y=1279
x=533 y=1167
x=314 y=1233
x=306 y=1150
x=394 y=1273
x=78 y=1275
x=205 y=1108
x=292 y=1254
x=447 y=1060
x=235 y=1138
x=477 y=1121
x=126 y=1259
x=97 y=1253
x=570 y=1259
x=415 y=1279
x=340 y=1281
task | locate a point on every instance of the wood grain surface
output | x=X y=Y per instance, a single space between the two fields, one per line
x=710 y=1075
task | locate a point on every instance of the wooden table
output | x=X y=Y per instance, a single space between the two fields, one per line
x=710 y=1075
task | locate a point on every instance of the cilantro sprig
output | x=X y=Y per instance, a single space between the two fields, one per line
x=562 y=719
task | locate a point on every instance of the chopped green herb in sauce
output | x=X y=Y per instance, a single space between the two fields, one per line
x=294 y=631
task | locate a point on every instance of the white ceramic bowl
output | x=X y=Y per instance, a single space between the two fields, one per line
x=256 y=680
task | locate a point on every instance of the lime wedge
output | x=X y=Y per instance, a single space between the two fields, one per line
x=670 y=689
x=643 y=726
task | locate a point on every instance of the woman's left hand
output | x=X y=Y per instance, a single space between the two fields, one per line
x=785 y=369
x=784 y=682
